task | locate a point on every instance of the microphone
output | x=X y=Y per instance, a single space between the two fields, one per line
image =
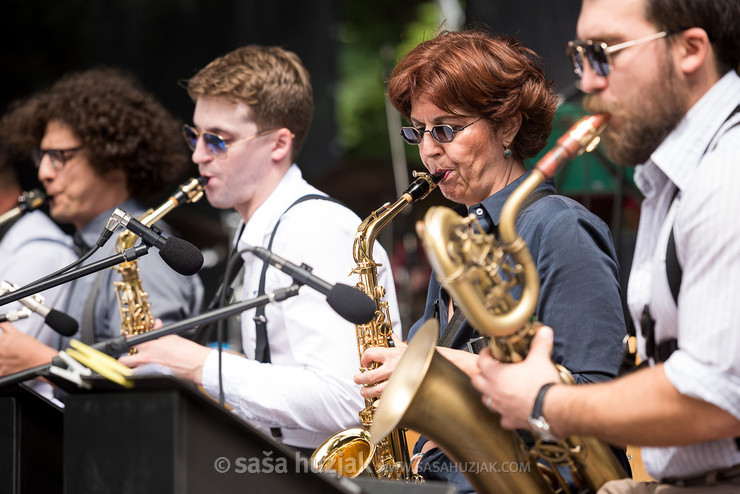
x=60 y=322
x=179 y=254
x=352 y=304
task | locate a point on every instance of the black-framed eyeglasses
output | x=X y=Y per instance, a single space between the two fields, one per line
x=599 y=53
x=215 y=144
x=441 y=133
x=59 y=157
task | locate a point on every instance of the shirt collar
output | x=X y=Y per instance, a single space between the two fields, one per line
x=91 y=232
x=492 y=205
x=263 y=219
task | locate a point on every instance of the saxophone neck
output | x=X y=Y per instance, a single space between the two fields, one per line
x=582 y=136
x=189 y=191
x=369 y=229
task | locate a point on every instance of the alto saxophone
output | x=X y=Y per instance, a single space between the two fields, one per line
x=350 y=452
x=478 y=271
x=133 y=301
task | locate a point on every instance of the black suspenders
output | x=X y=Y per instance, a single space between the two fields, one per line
x=660 y=351
x=262 y=346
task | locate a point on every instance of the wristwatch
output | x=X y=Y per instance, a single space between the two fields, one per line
x=537 y=422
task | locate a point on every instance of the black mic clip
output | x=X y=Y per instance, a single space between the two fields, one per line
x=284 y=293
x=153 y=240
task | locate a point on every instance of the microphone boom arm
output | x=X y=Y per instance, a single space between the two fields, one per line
x=122 y=344
x=35 y=287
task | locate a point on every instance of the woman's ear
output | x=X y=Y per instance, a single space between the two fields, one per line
x=509 y=130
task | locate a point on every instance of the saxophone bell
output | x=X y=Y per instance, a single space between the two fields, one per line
x=426 y=391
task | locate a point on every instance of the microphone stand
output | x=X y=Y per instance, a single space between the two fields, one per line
x=127 y=255
x=121 y=344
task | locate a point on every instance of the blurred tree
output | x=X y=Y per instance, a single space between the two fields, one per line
x=369 y=45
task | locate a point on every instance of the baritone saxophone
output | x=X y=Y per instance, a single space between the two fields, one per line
x=133 y=301
x=350 y=452
x=479 y=272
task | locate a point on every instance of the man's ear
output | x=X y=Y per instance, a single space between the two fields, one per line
x=282 y=145
x=692 y=49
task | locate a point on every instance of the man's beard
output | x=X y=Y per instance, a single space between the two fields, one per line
x=644 y=121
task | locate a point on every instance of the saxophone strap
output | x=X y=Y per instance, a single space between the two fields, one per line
x=262 y=346
x=87 y=325
x=233 y=274
x=87 y=335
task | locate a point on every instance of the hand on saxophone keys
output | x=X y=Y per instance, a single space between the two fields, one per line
x=511 y=389
x=374 y=381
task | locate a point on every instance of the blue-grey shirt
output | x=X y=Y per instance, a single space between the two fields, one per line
x=172 y=296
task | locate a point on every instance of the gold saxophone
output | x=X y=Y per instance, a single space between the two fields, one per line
x=133 y=301
x=350 y=452
x=478 y=271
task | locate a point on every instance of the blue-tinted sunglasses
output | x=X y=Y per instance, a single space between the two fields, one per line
x=215 y=144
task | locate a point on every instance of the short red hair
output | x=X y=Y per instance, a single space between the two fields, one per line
x=477 y=74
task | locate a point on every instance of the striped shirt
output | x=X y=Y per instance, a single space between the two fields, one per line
x=701 y=158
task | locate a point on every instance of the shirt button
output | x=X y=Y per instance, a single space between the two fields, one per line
x=479 y=211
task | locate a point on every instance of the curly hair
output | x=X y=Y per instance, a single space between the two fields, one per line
x=121 y=126
x=475 y=73
x=271 y=81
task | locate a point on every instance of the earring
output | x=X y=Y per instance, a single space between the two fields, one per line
x=507 y=152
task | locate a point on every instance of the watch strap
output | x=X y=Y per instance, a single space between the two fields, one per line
x=537 y=409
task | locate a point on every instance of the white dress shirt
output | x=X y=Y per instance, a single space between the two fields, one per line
x=707 y=235
x=307 y=389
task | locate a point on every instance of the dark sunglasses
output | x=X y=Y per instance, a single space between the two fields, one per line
x=599 y=53
x=215 y=144
x=441 y=133
x=58 y=157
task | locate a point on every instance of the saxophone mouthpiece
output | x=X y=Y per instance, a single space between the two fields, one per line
x=27 y=202
x=423 y=184
x=31 y=200
x=190 y=191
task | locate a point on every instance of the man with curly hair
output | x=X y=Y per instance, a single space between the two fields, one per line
x=99 y=142
x=34 y=236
